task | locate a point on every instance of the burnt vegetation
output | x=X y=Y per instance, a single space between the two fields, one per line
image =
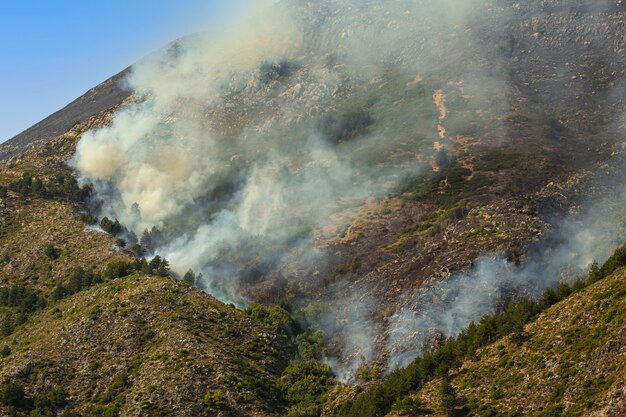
x=346 y=126
x=449 y=186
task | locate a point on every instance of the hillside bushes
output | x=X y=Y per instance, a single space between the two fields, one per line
x=60 y=187
x=79 y=280
x=51 y=252
x=111 y=227
x=23 y=297
x=12 y=394
x=43 y=404
x=306 y=378
x=380 y=399
x=616 y=261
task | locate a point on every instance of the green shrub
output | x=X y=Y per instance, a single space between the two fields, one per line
x=551 y=411
x=88 y=218
x=42 y=412
x=82 y=279
x=146 y=336
x=102 y=410
x=7 y=327
x=6 y=351
x=310 y=346
x=408 y=405
x=214 y=400
x=616 y=261
x=277 y=318
x=52 y=252
x=111 y=227
x=118 y=269
x=54 y=399
x=448 y=396
x=23 y=297
x=305 y=380
x=304 y=410
x=12 y=394
x=60 y=187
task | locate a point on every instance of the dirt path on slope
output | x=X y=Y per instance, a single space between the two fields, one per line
x=440 y=101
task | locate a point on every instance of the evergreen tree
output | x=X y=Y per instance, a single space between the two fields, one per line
x=448 y=397
x=7 y=326
x=190 y=277
x=146 y=241
x=163 y=270
x=594 y=272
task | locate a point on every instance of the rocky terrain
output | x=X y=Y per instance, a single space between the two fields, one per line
x=492 y=138
x=576 y=370
x=101 y=98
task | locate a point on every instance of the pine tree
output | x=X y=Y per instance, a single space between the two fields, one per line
x=594 y=272
x=190 y=277
x=364 y=374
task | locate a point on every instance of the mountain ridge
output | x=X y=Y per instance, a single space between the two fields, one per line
x=105 y=95
x=384 y=198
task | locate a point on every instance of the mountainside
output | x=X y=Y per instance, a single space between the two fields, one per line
x=100 y=98
x=144 y=346
x=84 y=335
x=571 y=363
x=356 y=183
x=548 y=357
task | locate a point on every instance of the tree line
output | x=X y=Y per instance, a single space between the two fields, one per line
x=392 y=392
x=61 y=186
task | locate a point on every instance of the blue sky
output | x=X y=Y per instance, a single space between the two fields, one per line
x=52 y=51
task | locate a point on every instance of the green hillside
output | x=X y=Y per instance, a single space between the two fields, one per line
x=561 y=355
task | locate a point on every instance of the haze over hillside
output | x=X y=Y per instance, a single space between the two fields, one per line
x=384 y=173
x=241 y=154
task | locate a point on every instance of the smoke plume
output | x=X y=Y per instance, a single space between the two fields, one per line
x=238 y=146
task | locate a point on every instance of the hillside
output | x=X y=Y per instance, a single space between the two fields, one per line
x=560 y=355
x=79 y=340
x=283 y=219
x=98 y=99
x=144 y=346
x=571 y=363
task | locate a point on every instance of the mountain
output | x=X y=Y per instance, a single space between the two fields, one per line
x=570 y=361
x=100 y=98
x=357 y=183
x=551 y=358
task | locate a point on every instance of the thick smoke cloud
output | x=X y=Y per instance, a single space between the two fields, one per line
x=223 y=145
x=239 y=145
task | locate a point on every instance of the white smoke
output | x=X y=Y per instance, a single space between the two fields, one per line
x=227 y=150
x=449 y=307
x=222 y=146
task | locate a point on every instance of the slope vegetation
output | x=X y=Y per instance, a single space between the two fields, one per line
x=566 y=360
x=142 y=346
x=84 y=333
